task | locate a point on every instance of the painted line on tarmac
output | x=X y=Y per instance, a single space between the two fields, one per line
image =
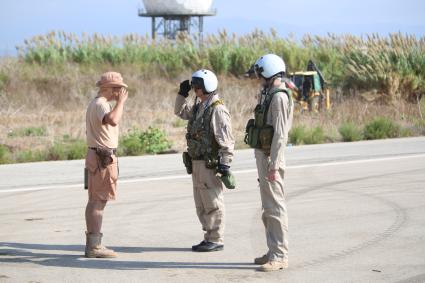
x=174 y=177
x=138 y=180
x=339 y=163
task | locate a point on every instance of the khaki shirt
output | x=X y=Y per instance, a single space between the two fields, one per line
x=220 y=124
x=278 y=117
x=99 y=134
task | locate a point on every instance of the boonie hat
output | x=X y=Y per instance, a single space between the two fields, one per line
x=111 y=79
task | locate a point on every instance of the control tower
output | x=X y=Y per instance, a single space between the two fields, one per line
x=170 y=17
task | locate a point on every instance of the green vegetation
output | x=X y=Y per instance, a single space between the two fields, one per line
x=350 y=132
x=381 y=128
x=67 y=149
x=378 y=128
x=4 y=154
x=152 y=141
x=30 y=156
x=297 y=135
x=301 y=135
x=314 y=136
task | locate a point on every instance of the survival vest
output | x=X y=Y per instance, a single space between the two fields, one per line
x=257 y=133
x=201 y=143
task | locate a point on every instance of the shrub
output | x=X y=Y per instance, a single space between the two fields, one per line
x=406 y=132
x=56 y=152
x=5 y=154
x=76 y=150
x=31 y=156
x=350 y=132
x=67 y=150
x=296 y=135
x=314 y=136
x=153 y=141
x=130 y=144
x=381 y=128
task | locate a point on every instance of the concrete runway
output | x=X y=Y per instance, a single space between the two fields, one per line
x=356 y=214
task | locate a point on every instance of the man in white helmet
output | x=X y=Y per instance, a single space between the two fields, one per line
x=210 y=146
x=268 y=134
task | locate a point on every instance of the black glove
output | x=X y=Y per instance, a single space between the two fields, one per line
x=223 y=169
x=184 y=88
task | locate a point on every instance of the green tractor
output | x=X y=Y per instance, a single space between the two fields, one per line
x=310 y=92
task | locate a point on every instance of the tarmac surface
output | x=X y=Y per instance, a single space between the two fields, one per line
x=356 y=214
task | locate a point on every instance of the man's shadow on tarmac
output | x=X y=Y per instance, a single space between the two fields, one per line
x=21 y=253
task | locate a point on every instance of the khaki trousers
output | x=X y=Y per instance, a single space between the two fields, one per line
x=209 y=201
x=275 y=218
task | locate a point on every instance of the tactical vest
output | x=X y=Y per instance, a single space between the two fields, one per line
x=201 y=143
x=257 y=133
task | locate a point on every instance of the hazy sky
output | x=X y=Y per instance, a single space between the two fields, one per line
x=22 y=19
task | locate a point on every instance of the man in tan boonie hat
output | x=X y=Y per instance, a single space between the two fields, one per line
x=101 y=162
x=111 y=79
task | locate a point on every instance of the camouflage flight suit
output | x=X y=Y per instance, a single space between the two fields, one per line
x=207 y=187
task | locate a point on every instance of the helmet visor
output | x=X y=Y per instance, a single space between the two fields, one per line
x=197 y=83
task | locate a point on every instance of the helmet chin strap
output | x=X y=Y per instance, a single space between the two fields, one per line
x=210 y=93
x=208 y=96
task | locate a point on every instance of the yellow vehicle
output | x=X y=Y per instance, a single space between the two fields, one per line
x=310 y=91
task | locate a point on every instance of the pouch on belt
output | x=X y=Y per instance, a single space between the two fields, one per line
x=187 y=160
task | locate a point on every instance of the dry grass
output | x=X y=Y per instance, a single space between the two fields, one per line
x=56 y=99
x=153 y=104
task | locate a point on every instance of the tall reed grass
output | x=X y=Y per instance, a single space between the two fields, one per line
x=393 y=66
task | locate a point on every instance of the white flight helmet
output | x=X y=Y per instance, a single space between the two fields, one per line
x=205 y=79
x=269 y=65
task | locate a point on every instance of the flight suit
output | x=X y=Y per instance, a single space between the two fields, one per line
x=274 y=212
x=207 y=187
